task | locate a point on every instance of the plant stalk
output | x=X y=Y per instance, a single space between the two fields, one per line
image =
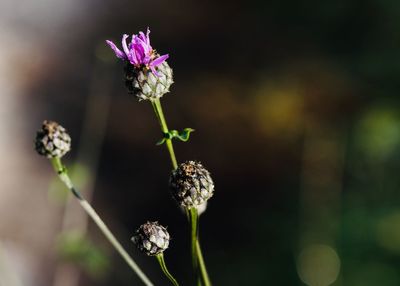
x=62 y=174
x=197 y=256
x=198 y=260
x=194 y=219
x=160 y=258
x=202 y=266
x=164 y=127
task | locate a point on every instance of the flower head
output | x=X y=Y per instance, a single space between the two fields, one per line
x=191 y=184
x=52 y=140
x=139 y=51
x=151 y=238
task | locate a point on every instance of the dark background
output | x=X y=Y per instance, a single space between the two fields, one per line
x=296 y=111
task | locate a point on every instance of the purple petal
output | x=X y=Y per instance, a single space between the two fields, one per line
x=159 y=60
x=140 y=52
x=134 y=57
x=140 y=41
x=124 y=45
x=146 y=48
x=117 y=51
x=146 y=60
x=142 y=36
x=154 y=71
x=148 y=36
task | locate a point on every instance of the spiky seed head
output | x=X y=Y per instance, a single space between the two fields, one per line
x=191 y=184
x=145 y=84
x=52 y=140
x=151 y=238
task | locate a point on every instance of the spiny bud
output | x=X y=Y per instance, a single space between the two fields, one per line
x=191 y=184
x=52 y=140
x=151 y=238
x=144 y=84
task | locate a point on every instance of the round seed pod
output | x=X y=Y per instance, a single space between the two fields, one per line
x=191 y=184
x=52 y=140
x=146 y=85
x=151 y=238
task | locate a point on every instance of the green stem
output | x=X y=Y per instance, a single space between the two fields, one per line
x=161 y=119
x=62 y=174
x=194 y=219
x=203 y=270
x=160 y=258
x=197 y=255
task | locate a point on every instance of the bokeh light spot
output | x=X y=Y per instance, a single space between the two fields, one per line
x=279 y=109
x=379 y=132
x=318 y=265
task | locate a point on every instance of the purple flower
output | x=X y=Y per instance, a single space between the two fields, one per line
x=139 y=51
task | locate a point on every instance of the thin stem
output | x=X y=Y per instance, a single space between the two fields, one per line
x=194 y=219
x=203 y=270
x=163 y=123
x=197 y=255
x=62 y=174
x=160 y=258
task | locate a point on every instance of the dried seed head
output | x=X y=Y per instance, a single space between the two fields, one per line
x=191 y=184
x=151 y=238
x=52 y=140
x=144 y=84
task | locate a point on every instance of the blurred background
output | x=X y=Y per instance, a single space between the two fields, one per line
x=296 y=111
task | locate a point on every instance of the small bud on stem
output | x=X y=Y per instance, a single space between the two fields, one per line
x=151 y=238
x=52 y=140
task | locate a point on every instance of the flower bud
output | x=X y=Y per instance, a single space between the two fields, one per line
x=151 y=238
x=52 y=140
x=191 y=184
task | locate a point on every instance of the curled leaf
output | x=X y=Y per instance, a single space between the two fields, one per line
x=185 y=134
x=171 y=134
